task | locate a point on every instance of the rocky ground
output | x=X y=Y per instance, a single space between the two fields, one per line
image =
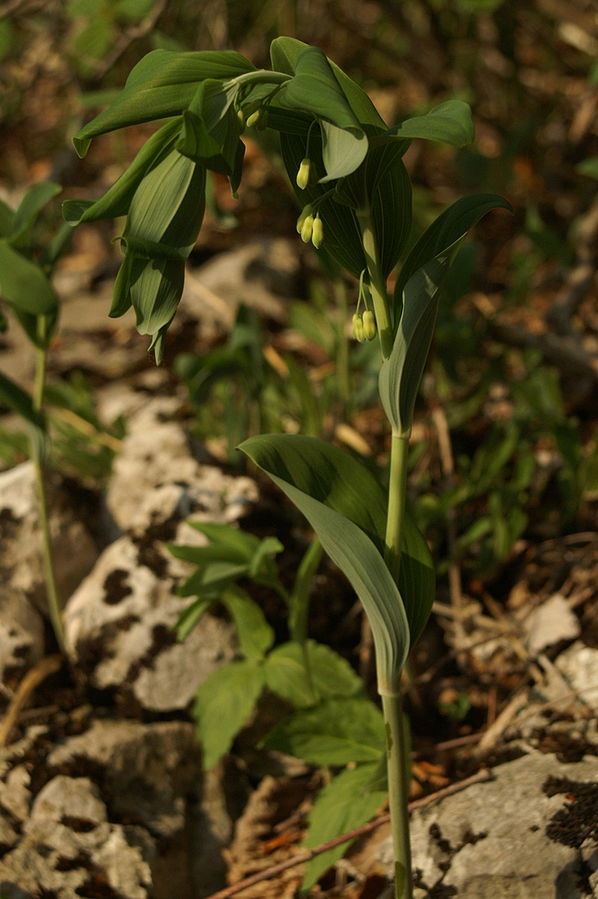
x=102 y=792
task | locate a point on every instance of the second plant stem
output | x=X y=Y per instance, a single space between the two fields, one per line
x=38 y=453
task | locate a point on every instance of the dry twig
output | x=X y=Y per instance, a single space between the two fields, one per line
x=268 y=873
x=32 y=679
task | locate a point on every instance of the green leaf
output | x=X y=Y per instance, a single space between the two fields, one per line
x=343 y=150
x=223 y=705
x=7 y=217
x=417 y=578
x=343 y=805
x=23 y=284
x=314 y=490
x=401 y=373
x=327 y=474
x=329 y=673
x=445 y=231
x=191 y=616
x=391 y=202
x=253 y=631
x=302 y=587
x=117 y=199
x=15 y=398
x=30 y=206
x=211 y=129
x=167 y=209
x=314 y=89
x=285 y=52
x=339 y=731
x=342 y=237
x=162 y=84
x=450 y=122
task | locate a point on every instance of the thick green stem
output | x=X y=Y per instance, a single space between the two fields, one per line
x=397 y=751
x=38 y=453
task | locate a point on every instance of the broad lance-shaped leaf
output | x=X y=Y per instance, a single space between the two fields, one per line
x=117 y=199
x=341 y=481
x=211 y=130
x=400 y=374
x=351 y=549
x=450 y=123
x=162 y=84
x=453 y=224
x=30 y=206
x=164 y=220
x=23 y=284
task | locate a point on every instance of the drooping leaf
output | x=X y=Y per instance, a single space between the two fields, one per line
x=23 y=284
x=450 y=122
x=329 y=674
x=253 y=631
x=347 y=545
x=338 y=731
x=162 y=84
x=391 y=203
x=326 y=473
x=223 y=705
x=314 y=89
x=285 y=52
x=117 y=199
x=167 y=208
x=211 y=130
x=344 y=804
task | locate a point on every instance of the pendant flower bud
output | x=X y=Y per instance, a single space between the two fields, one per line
x=303 y=175
x=357 y=327
x=307 y=228
x=317 y=234
x=253 y=120
x=369 y=325
x=305 y=212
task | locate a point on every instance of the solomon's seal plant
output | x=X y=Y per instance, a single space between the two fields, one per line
x=346 y=166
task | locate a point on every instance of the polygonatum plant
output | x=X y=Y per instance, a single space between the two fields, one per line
x=347 y=168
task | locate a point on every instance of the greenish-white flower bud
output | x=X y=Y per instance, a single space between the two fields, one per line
x=317 y=234
x=307 y=210
x=369 y=324
x=253 y=120
x=357 y=327
x=307 y=228
x=303 y=174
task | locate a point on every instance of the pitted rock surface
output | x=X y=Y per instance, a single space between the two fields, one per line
x=119 y=627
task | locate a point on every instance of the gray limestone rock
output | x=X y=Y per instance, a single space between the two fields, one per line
x=22 y=585
x=119 y=629
x=503 y=839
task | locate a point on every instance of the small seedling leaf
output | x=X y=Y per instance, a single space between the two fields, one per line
x=223 y=705
x=329 y=674
x=253 y=631
x=344 y=804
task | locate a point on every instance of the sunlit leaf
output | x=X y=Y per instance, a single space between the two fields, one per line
x=162 y=84
x=335 y=732
x=253 y=631
x=450 y=122
x=329 y=674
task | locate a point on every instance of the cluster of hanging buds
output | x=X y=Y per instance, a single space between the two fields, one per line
x=310 y=227
x=363 y=324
